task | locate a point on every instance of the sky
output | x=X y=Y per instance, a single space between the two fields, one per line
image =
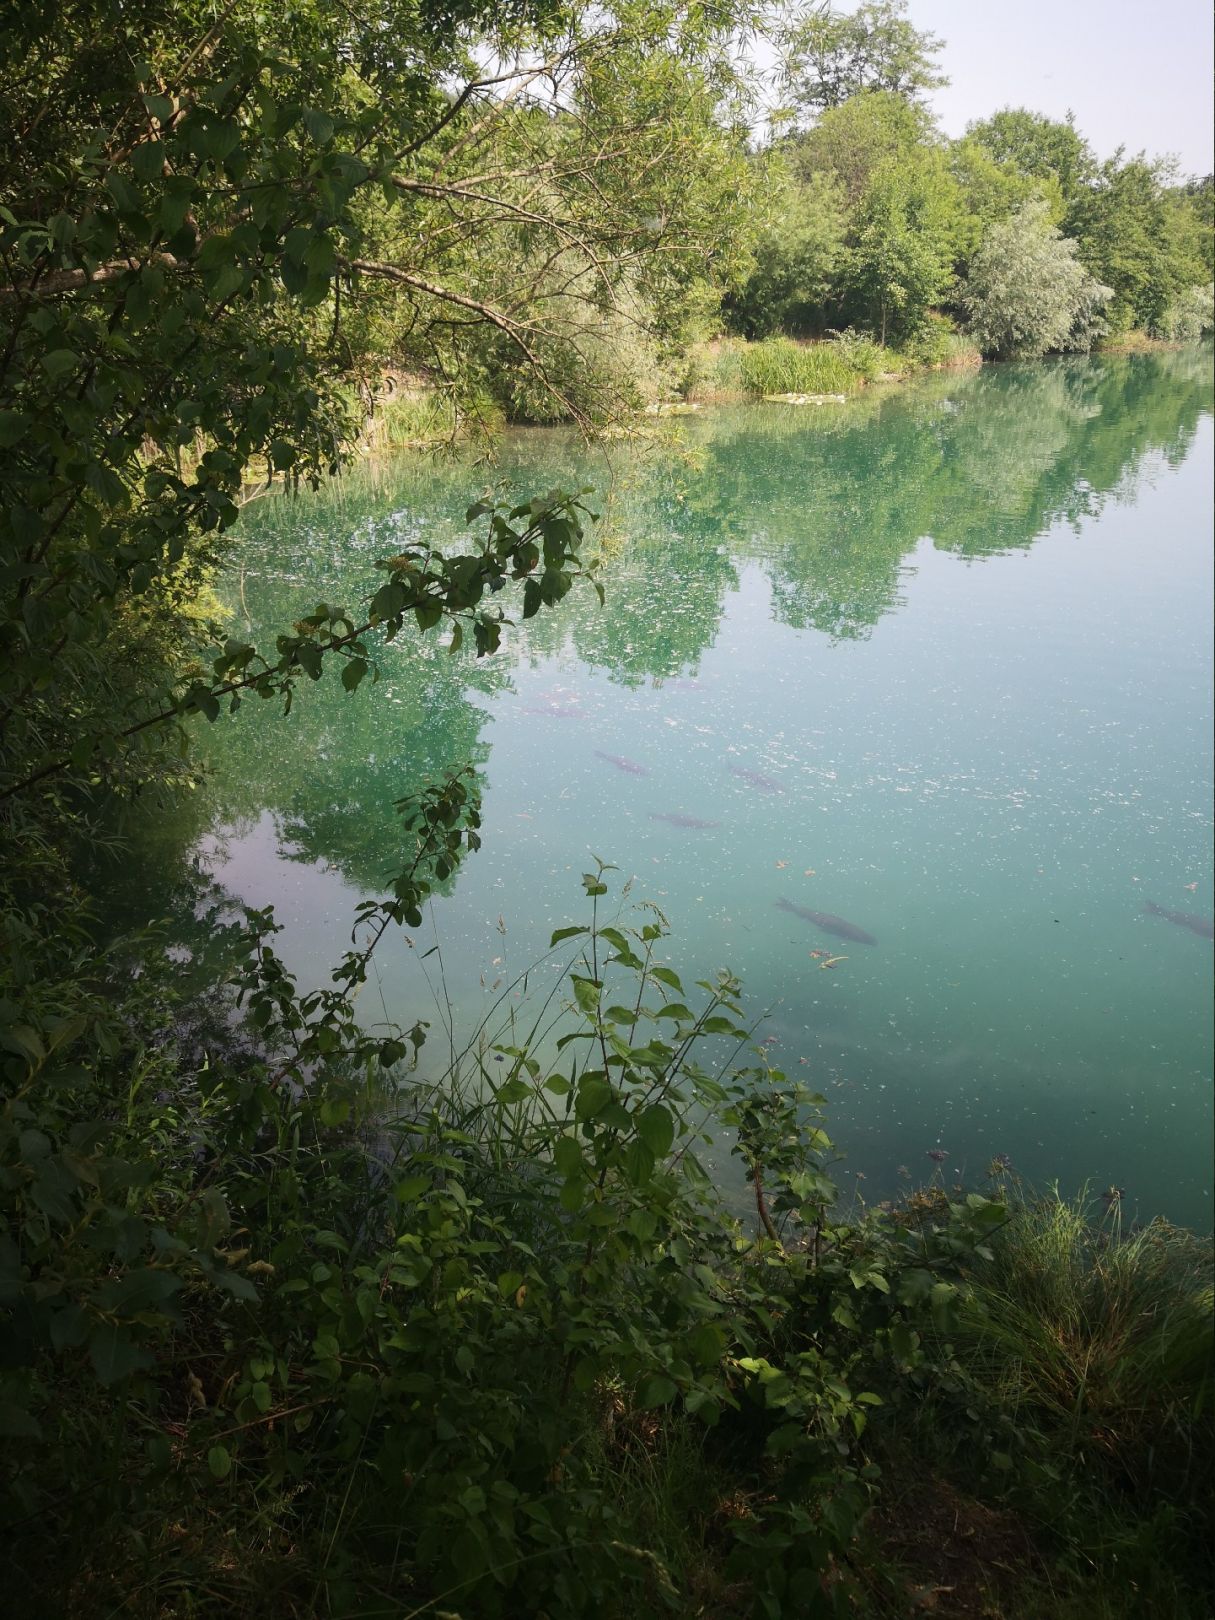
x=1136 y=75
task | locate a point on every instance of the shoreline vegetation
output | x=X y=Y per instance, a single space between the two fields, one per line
x=409 y=413
x=288 y=1329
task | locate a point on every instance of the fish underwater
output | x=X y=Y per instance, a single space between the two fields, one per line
x=1202 y=926
x=629 y=766
x=755 y=779
x=677 y=820
x=839 y=926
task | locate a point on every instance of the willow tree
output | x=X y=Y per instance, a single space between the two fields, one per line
x=1027 y=292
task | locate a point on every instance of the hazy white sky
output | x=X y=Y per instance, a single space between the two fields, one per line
x=1137 y=74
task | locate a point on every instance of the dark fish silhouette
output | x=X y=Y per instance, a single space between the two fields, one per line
x=677 y=820
x=755 y=779
x=1202 y=926
x=629 y=766
x=840 y=926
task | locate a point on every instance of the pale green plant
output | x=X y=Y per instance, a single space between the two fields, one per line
x=1189 y=316
x=1027 y=293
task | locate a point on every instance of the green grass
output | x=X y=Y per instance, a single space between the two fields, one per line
x=1102 y=1339
x=403 y=420
x=1081 y=1401
x=780 y=366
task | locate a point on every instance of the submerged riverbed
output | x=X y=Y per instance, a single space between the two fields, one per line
x=934 y=666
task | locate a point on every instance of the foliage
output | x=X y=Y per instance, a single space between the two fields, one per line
x=1102 y=1338
x=1140 y=237
x=1039 y=148
x=856 y=139
x=901 y=263
x=1082 y=1353
x=939 y=345
x=419 y=1328
x=780 y=366
x=1027 y=294
x=993 y=191
x=797 y=255
x=1189 y=316
x=831 y=56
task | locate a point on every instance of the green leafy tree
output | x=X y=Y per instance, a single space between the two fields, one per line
x=851 y=141
x=992 y=191
x=904 y=240
x=1189 y=316
x=1135 y=235
x=831 y=56
x=1027 y=292
x=1042 y=148
x=797 y=254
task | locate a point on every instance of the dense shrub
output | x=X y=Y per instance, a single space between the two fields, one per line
x=1190 y=316
x=1027 y=293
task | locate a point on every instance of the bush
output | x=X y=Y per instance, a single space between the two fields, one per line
x=310 y=1333
x=1027 y=293
x=865 y=356
x=938 y=344
x=1189 y=317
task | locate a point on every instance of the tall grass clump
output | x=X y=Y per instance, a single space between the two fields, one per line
x=1100 y=1339
x=1085 y=1352
x=780 y=366
x=403 y=420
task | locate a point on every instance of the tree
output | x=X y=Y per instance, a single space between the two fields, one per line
x=992 y=191
x=903 y=244
x=1040 y=147
x=799 y=249
x=1027 y=293
x=830 y=56
x=1137 y=234
x=852 y=141
x=1189 y=316
x=214 y=231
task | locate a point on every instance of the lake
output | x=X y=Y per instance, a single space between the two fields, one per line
x=936 y=662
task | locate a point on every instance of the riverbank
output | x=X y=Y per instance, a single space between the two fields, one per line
x=410 y=414
x=492 y=1349
x=300 y=1334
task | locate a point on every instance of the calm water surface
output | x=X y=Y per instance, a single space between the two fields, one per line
x=936 y=662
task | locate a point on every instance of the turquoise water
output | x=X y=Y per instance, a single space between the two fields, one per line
x=937 y=662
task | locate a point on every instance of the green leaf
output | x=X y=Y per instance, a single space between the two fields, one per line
x=656 y=1129
x=564 y=933
x=638 y=1163
x=115 y=1354
x=13 y=425
x=219 y=1461
x=656 y=1390
x=567 y=1156
x=233 y=1283
x=411 y=1189
x=594 y=1094
x=335 y=1111
x=319 y=125
x=140 y=1290
x=586 y=993
x=59 y=362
